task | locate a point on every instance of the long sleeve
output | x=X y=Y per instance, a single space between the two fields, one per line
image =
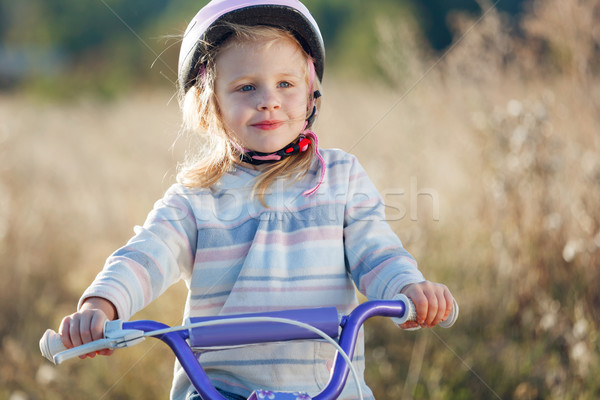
x=160 y=253
x=375 y=257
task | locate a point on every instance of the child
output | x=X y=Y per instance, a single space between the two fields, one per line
x=262 y=219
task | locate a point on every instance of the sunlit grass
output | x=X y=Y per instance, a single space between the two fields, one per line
x=499 y=141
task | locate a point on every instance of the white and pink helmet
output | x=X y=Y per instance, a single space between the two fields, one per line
x=204 y=29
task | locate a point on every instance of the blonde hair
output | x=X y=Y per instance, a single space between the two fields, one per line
x=218 y=152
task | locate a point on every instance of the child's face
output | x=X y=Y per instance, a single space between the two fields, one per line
x=262 y=93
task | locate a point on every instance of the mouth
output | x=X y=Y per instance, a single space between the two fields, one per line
x=268 y=125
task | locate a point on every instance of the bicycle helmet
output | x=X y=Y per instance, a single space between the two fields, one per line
x=205 y=31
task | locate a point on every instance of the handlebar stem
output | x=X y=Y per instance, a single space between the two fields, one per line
x=351 y=324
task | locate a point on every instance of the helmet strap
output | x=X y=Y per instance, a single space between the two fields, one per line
x=313 y=114
x=299 y=145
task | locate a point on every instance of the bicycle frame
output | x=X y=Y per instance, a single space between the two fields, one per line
x=235 y=330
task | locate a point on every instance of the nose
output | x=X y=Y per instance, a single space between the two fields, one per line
x=268 y=100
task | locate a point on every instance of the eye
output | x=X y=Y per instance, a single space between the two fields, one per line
x=284 y=85
x=246 y=88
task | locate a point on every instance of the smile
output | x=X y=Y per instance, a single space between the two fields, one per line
x=268 y=125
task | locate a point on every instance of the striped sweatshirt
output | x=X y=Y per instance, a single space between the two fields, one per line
x=238 y=256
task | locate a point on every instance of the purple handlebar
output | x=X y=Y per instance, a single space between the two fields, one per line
x=325 y=319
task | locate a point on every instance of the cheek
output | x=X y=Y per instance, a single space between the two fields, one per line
x=299 y=105
x=230 y=110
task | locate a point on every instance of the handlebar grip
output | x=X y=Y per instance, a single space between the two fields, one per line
x=54 y=350
x=448 y=322
x=411 y=314
x=50 y=344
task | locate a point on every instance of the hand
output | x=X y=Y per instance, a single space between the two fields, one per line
x=433 y=303
x=87 y=325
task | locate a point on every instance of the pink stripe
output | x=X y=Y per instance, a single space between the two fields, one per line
x=365 y=282
x=141 y=273
x=223 y=253
x=267 y=157
x=383 y=249
x=374 y=273
x=143 y=277
x=304 y=236
x=355 y=177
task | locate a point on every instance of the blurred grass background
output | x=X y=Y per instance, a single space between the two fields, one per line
x=485 y=144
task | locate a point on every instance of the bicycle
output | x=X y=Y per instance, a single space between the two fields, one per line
x=238 y=330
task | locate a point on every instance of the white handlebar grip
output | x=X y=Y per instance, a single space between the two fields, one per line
x=448 y=322
x=50 y=344
x=410 y=312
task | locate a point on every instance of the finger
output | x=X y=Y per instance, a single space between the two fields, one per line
x=97 y=325
x=421 y=306
x=409 y=325
x=432 y=308
x=449 y=303
x=97 y=330
x=74 y=329
x=441 y=308
x=92 y=324
x=85 y=323
x=105 y=352
x=63 y=331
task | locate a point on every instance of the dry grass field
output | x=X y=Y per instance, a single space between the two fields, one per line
x=489 y=162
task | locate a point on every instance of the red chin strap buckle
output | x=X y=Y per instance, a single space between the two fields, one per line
x=299 y=147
